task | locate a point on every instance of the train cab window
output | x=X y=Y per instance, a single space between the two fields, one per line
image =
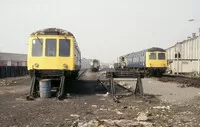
x=37 y=46
x=50 y=47
x=161 y=56
x=152 y=56
x=64 y=47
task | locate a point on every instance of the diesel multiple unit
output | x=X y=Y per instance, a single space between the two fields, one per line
x=151 y=61
x=95 y=65
x=54 y=54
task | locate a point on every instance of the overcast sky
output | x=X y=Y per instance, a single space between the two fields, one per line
x=104 y=29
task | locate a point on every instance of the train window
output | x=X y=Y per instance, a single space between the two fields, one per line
x=50 y=47
x=161 y=56
x=152 y=56
x=64 y=47
x=37 y=45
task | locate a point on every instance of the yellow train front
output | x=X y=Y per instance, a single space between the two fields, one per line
x=53 y=54
x=152 y=61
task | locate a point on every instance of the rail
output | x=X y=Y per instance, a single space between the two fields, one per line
x=181 y=79
x=81 y=73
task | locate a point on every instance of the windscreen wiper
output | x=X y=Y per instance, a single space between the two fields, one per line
x=39 y=40
x=65 y=37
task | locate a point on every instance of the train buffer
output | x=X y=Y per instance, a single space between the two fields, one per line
x=114 y=77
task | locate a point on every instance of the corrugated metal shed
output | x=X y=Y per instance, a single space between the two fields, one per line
x=189 y=55
x=13 y=59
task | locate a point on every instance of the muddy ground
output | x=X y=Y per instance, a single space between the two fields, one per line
x=88 y=104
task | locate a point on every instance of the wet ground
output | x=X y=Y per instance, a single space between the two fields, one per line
x=88 y=104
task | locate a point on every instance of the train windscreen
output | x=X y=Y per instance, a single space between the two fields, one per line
x=37 y=46
x=161 y=56
x=152 y=56
x=64 y=46
x=50 y=47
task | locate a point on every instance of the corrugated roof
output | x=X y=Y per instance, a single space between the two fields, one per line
x=184 y=41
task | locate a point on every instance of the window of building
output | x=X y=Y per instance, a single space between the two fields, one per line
x=179 y=55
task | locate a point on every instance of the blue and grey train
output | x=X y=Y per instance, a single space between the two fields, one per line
x=152 y=61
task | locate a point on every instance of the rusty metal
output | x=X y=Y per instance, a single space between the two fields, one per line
x=113 y=76
x=124 y=74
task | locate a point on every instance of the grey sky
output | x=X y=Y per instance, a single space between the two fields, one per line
x=104 y=29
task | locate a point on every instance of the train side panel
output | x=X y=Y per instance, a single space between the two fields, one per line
x=77 y=57
x=137 y=60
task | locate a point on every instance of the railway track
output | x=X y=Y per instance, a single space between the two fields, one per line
x=81 y=73
x=185 y=80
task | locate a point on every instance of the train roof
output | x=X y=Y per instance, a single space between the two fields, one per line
x=156 y=49
x=52 y=31
x=95 y=60
x=149 y=49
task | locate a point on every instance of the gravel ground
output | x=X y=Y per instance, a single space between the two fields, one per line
x=183 y=80
x=170 y=92
x=89 y=105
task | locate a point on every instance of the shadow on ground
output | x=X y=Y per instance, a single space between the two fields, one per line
x=85 y=87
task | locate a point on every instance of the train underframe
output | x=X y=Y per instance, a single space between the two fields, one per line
x=61 y=77
x=94 y=69
x=158 y=72
x=147 y=71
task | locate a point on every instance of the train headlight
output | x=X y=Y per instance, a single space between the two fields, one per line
x=65 y=66
x=36 y=65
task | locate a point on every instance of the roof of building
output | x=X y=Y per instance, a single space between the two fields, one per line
x=13 y=56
